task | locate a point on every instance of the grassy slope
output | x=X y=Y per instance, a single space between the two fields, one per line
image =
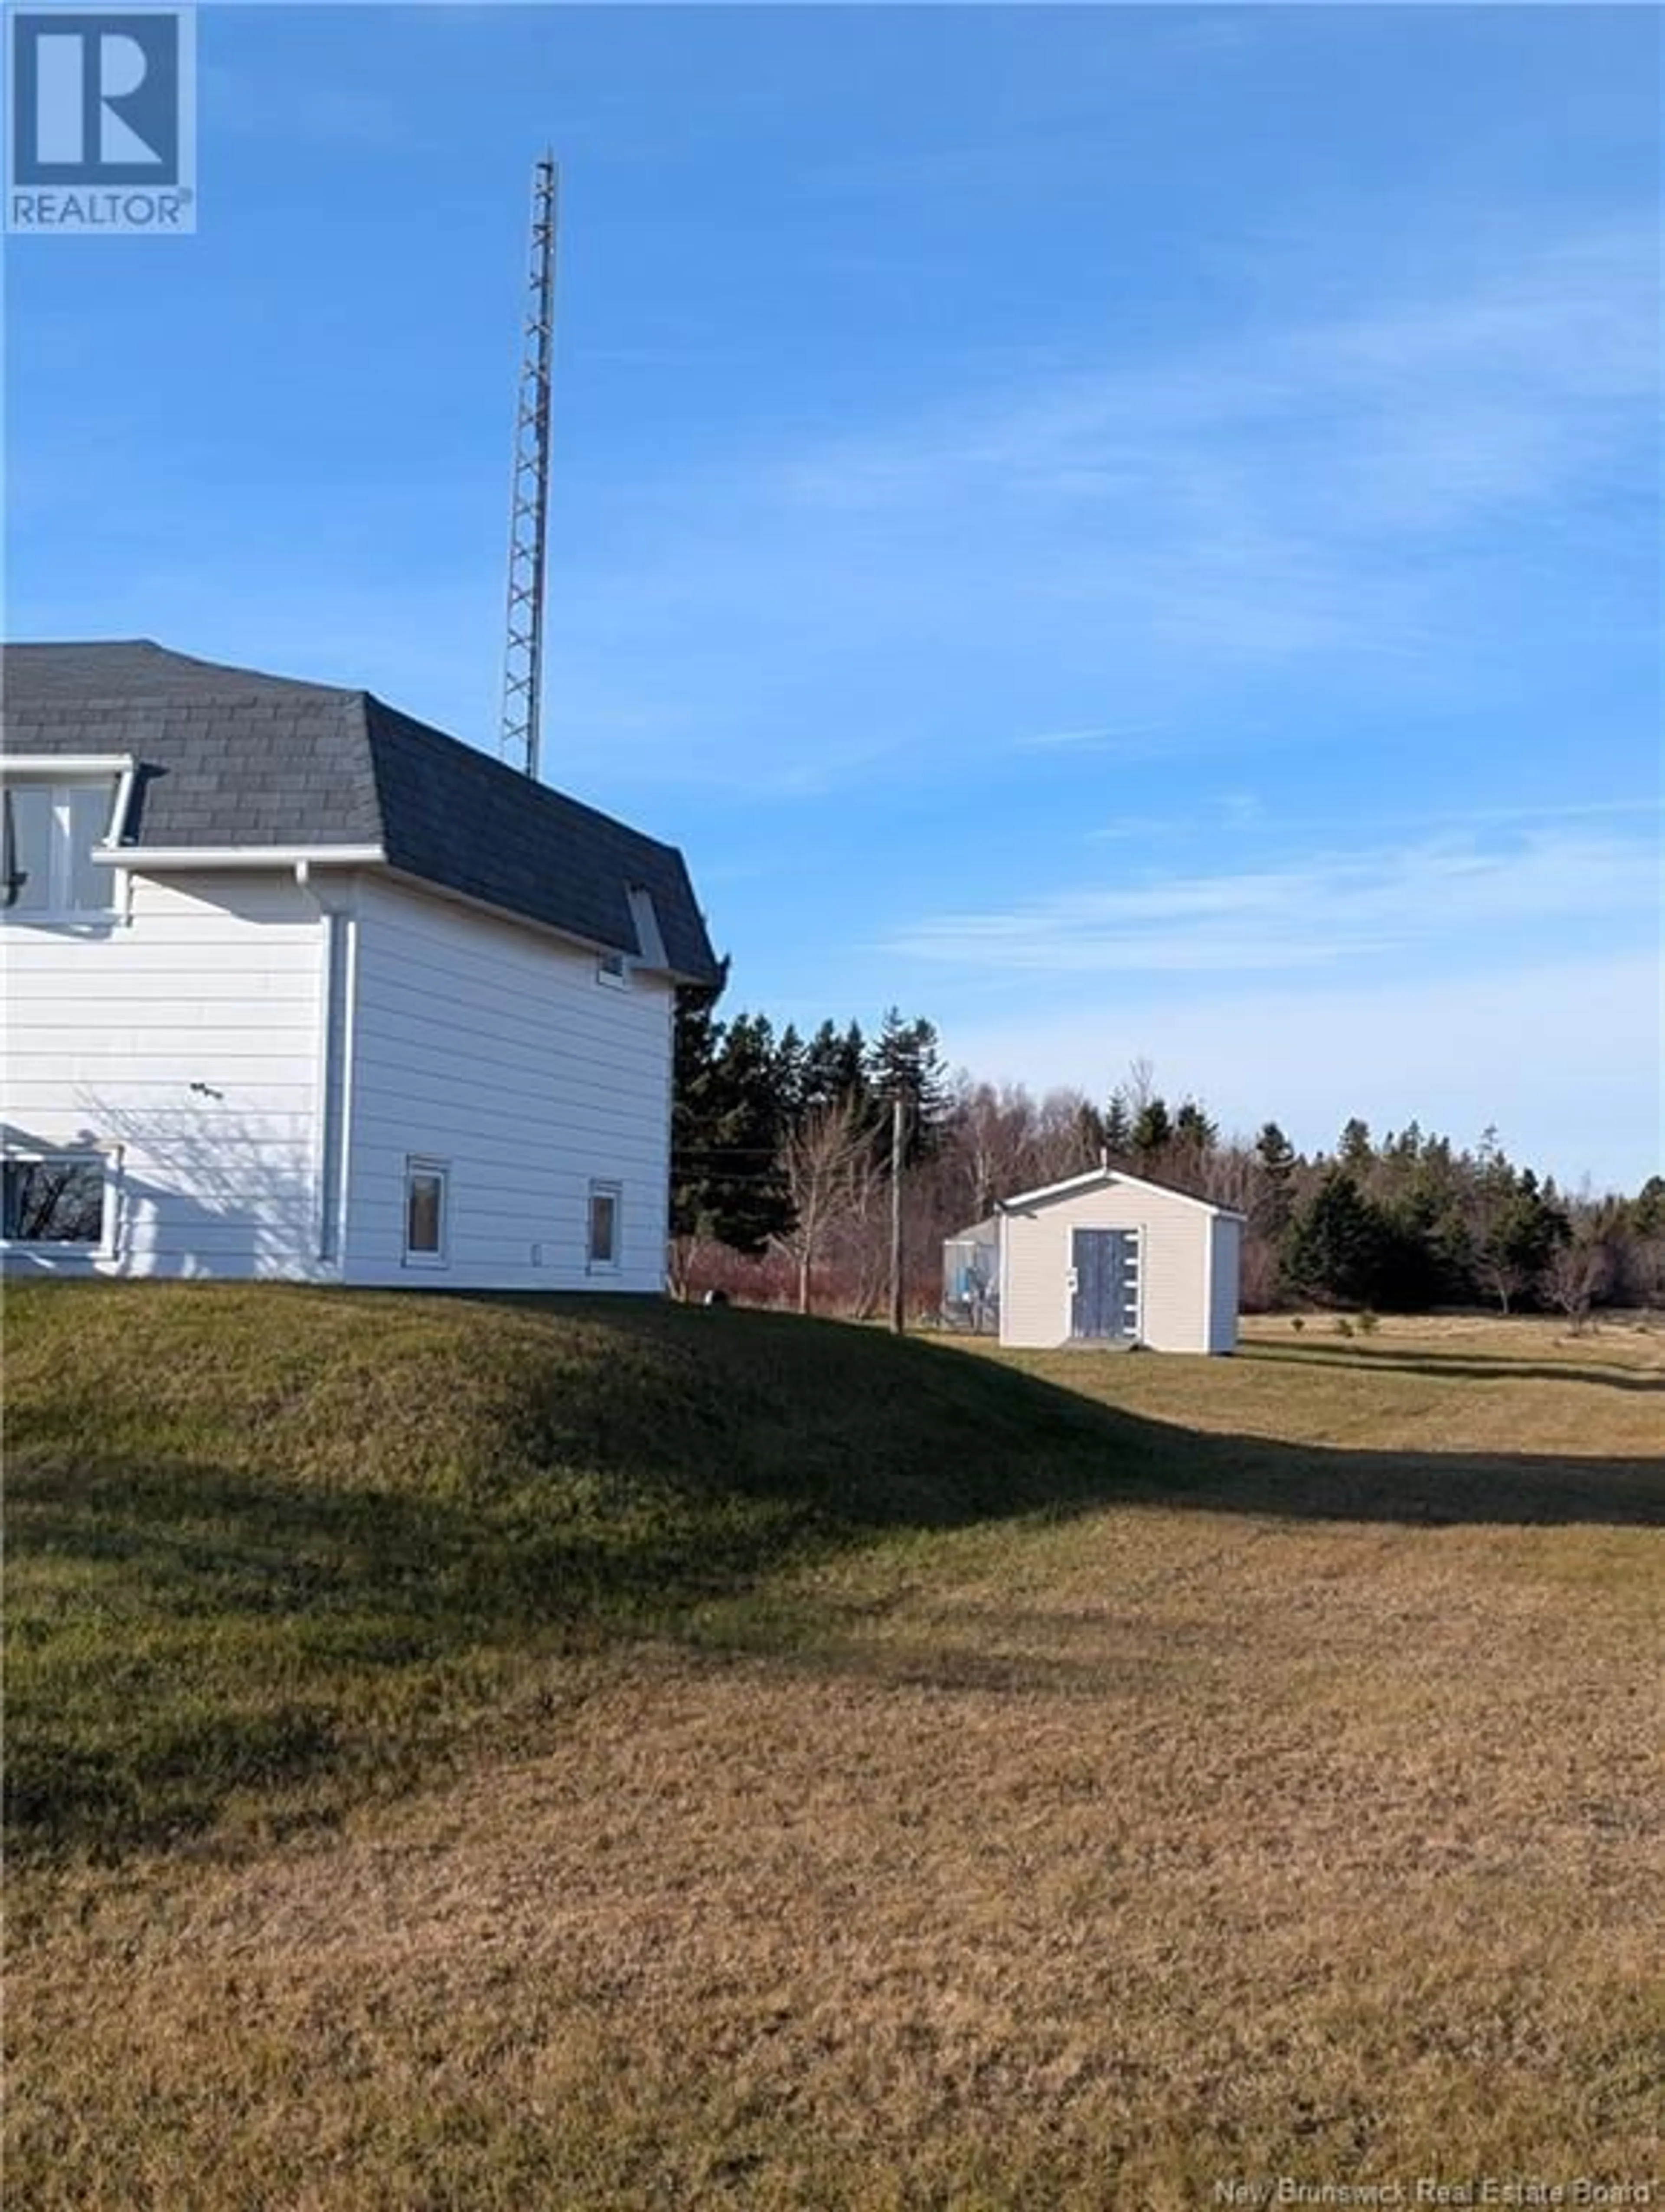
x=1290 y=1811
x=265 y=1541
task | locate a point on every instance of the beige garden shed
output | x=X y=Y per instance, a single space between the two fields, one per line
x=1109 y=1259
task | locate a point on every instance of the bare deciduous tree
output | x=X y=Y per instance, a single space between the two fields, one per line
x=827 y=1163
x=1139 y=1085
x=1226 y=1177
x=1061 y=1145
x=1648 y=1267
x=993 y=1139
x=1575 y=1275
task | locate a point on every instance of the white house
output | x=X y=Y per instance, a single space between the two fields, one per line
x=295 y=986
x=1111 y=1258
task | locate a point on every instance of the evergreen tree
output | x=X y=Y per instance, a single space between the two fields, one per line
x=1356 y=1152
x=1405 y=1149
x=1515 y=1228
x=1409 y=1221
x=905 y=1062
x=1648 y=1210
x=790 y=1055
x=1336 y=1247
x=1409 y=1274
x=1193 y=1129
x=726 y=1128
x=1185 y=1158
x=1118 y=1126
x=1274 y=1183
x=1647 y=1224
x=834 y=1068
x=751 y=1037
x=696 y=1034
x=1152 y=1133
x=1428 y=1214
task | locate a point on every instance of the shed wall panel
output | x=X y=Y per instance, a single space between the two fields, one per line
x=1225 y=1289
x=1173 y=1261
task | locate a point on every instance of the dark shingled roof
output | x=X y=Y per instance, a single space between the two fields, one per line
x=231 y=758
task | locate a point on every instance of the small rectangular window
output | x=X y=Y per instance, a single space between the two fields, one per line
x=86 y=886
x=31 y=826
x=51 y=830
x=426 y=1192
x=54 y=1201
x=612 y=968
x=605 y=1202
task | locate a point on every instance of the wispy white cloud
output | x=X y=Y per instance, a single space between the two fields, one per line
x=1247 y=816
x=1147 y=828
x=1432 y=898
x=1280 y=495
x=1068 y=563
x=1491 y=380
x=1561 y=1054
x=1110 y=557
x=1103 y=737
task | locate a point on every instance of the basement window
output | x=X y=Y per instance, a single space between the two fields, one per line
x=606 y=1200
x=48 y=873
x=427 y=1193
x=59 y=1201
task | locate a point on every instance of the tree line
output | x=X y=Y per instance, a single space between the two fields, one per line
x=783 y=1169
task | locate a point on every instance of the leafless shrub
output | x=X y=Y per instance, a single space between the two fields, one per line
x=827 y=1162
x=1574 y=1276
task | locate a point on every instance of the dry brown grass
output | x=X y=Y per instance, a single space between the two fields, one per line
x=1076 y=1864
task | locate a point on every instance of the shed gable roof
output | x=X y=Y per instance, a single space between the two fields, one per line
x=231 y=758
x=1102 y=1177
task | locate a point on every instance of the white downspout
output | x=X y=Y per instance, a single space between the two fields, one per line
x=332 y=1065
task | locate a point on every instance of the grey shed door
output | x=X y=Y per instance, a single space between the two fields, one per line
x=1105 y=1302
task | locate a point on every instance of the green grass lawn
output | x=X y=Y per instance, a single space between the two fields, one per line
x=273 y=1548
x=468 y=1752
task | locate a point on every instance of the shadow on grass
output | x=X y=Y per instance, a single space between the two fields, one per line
x=1466 y=1367
x=237 y=1608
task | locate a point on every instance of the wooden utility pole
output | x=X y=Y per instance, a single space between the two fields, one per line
x=899 y=1138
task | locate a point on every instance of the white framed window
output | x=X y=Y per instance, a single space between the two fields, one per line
x=613 y=970
x=426 y=1211
x=606 y=1210
x=51 y=825
x=62 y=1202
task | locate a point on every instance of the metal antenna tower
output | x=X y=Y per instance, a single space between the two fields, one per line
x=523 y=661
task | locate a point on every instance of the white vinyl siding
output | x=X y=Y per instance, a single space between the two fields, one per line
x=1175 y=1243
x=264 y=1072
x=488 y=1045
x=185 y=1037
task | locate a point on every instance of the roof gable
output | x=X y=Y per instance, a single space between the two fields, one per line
x=1104 y=1178
x=232 y=758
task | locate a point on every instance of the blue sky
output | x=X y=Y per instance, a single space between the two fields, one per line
x=1135 y=533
